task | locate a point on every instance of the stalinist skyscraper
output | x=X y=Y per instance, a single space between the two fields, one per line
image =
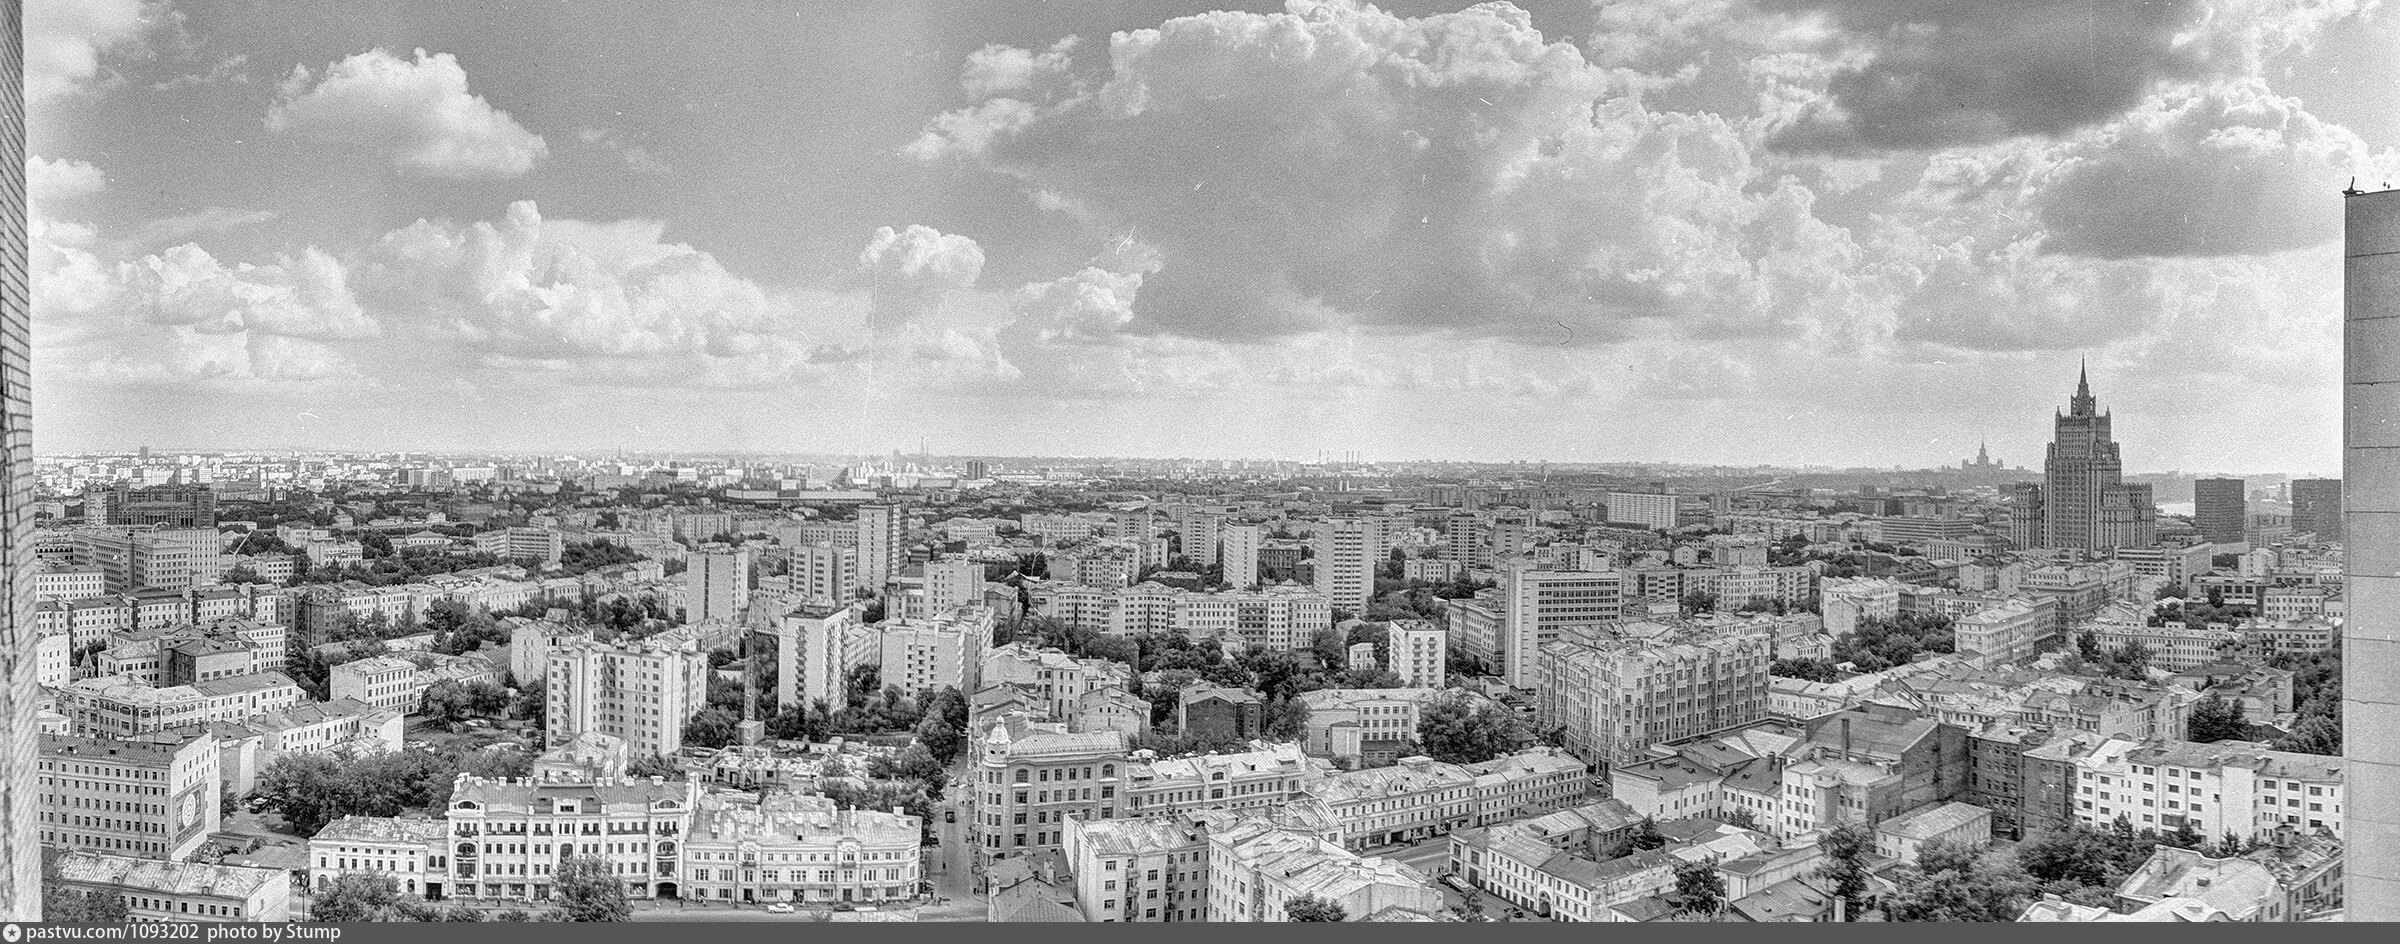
x=2085 y=501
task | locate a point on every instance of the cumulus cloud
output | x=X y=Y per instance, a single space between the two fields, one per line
x=50 y=182
x=637 y=158
x=65 y=40
x=912 y=269
x=2231 y=169
x=996 y=69
x=418 y=113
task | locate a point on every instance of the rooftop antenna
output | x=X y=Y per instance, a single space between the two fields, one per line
x=2352 y=190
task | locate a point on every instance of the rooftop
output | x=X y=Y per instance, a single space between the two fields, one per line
x=173 y=878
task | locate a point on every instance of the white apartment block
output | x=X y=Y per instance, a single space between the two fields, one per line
x=2227 y=787
x=1238 y=548
x=1277 y=618
x=1057 y=680
x=923 y=657
x=119 y=706
x=640 y=692
x=1537 y=603
x=1847 y=602
x=1646 y=511
x=881 y=530
x=1149 y=869
x=717 y=584
x=825 y=571
x=1348 y=552
x=52 y=653
x=1420 y=653
x=386 y=682
x=953 y=582
x=2009 y=631
x=151 y=796
x=68 y=582
x=1343 y=721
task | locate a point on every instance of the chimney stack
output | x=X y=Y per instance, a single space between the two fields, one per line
x=1845 y=737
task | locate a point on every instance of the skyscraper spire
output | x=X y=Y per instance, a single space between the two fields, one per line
x=2082 y=404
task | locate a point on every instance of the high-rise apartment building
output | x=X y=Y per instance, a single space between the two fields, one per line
x=2220 y=508
x=145 y=558
x=2317 y=508
x=1420 y=652
x=1348 y=551
x=1535 y=604
x=1238 y=546
x=925 y=656
x=20 y=859
x=716 y=583
x=640 y=692
x=952 y=582
x=1642 y=510
x=825 y=571
x=879 y=552
x=2085 y=501
x=816 y=645
x=2370 y=505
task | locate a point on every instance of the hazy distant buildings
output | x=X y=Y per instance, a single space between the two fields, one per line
x=2220 y=509
x=2085 y=501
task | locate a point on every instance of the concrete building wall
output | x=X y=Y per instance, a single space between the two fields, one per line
x=20 y=845
x=2371 y=522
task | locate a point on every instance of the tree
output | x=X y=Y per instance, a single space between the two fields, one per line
x=653 y=765
x=2215 y=719
x=1741 y=817
x=1810 y=670
x=587 y=891
x=2088 y=646
x=1455 y=733
x=941 y=741
x=711 y=727
x=1313 y=908
x=1952 y=882
x=63 y=904
x=355 y=898
x=1699 y=887
x=1285 y=719
x=1846 y=852
x=1647 y=837
x=1698 y=602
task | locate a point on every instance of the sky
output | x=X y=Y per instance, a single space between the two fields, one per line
x=1841 y=232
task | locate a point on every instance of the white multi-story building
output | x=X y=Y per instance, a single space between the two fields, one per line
x=1646 y=511
x=2009 y=631
x=641 y=691
x=924 y=657
x=1256 y=867
x=1057 y=680
x=151 y=795
x=413 y=852
x=825 y=571
x=387 y=682
x=1348 y=552
x=2232 y=787
x=717 y=585
x=1848 y=602
x=1149 y=869
x=816 y=646
x=1239 y=545
x=68 y=582
x=1536 y=603
x=508 y=835
x=953 y=582
x=119 y=706
x=789 y=847
x=881 y=529
x=1416 y=799
x=1420 y=653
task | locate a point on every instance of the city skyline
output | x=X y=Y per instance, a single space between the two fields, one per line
x=1714 y=234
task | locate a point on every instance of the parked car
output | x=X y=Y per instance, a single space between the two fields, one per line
x=779 y=908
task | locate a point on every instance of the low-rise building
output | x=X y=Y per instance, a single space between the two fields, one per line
x=156 y=890
x=1265 y=777
x=507 y=835
x=1418 y=798
x=794 y=848
x=1902 y=837
x=413 y=851
x=1255 y=867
